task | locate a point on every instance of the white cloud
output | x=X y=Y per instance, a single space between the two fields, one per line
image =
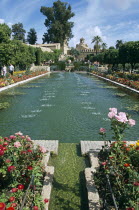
x=120 y=4
x=2 y=21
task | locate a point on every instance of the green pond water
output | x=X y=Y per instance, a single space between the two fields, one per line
x=65 y=106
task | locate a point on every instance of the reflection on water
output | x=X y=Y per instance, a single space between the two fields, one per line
x=66 y=106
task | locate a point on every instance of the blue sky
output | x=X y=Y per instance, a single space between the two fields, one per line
x=110 y=19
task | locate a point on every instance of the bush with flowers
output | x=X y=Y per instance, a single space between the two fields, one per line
x=21 y=162
x=119 y=161
x=17 y=77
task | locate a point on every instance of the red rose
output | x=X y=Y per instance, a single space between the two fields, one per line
x=29 y=150
x=7 y=161
x=10 y=208
x=11 y=199
x=126 y=164
x=5 y=144
x=23 y=152
x=103 y=163
x=2 y=206
x=46 y=200
x=136 y=183
x=29 y=167
x=1 y=147
x=14 y=204
x=35 y=208
x=1 y=152
x=20 y=186
x=11 y=168
x=14 y=190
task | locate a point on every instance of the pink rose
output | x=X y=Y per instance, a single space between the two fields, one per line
x=111 y=115
x=121 y=117
x=17 y=144
x=102 y=130
x=12 y=137
x=114 y=110
x=43 y=149
x=28 y=139
x=131 y=122
x=19 y=134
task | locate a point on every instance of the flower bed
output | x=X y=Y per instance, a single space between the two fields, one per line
x=121 y=80
x=17 y=77
x=21 y=173
x=119 y=165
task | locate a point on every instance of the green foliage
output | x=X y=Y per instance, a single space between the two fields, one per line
x=19 y=160
x=38 y=56
x=32 y=36
x=5 y=33
x=74 y=52
x=119 y=163
x=4 y=105
x=57 y=22
x=18 y=32
x=119 y=43
x=129 y=53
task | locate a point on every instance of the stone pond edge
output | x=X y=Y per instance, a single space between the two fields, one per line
x=116 y=83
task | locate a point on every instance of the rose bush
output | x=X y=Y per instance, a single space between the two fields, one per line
x=19 y=162
x=119 y=160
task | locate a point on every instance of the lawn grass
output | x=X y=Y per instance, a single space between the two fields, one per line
x=69 y=191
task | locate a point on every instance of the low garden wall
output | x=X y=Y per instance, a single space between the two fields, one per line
x=40 y=68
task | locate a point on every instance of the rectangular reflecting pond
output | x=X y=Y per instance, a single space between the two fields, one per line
x=65 y=106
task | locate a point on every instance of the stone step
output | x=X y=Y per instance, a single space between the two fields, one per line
x=88 y=146
x=47 y=185
x=50 y=145
x=93 y=196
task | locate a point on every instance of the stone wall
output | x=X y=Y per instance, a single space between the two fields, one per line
x=39 y=68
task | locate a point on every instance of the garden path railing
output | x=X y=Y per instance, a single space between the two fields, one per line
x=109 y=188
x=25 y=196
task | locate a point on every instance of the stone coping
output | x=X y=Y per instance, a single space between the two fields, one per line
x=47 y=185
x=50 y=145
x=22 y=82
x=116 y=83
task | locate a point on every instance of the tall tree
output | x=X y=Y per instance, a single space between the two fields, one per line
x=57 y=22
x=32 y=36
x=18 y=32
x=97 y=40
x=5 y=33
x=104 y=46
x=119 y=43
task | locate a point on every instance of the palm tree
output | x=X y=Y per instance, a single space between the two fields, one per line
x=96 y=40
x=119 y=43
x=104 y=46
